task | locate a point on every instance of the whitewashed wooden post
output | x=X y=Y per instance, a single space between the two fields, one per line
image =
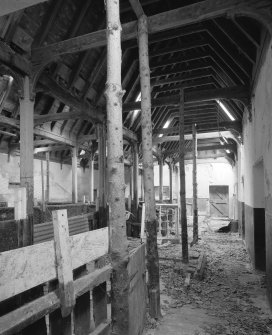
x=171 y=167
x=47 y=195
x=183 y=217
x=27 y=155
x=148 y=168
x=74 y=176
x=116 y=179
x=161 y=179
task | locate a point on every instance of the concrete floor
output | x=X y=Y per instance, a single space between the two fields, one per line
x=230 y=300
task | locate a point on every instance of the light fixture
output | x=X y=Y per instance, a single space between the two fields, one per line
x=225 y=110
x=166 y=125
x=82 y=152
x=227 y=151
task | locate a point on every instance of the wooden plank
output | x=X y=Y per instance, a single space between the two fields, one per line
x=33 y=311
x=63 y=261
x=22 y=269
x=160 y=22
x=10 y=6
x=137 y=287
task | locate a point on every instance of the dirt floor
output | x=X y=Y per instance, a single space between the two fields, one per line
x=229 y=300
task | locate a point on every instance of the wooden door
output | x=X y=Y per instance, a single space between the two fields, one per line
x=219 y=200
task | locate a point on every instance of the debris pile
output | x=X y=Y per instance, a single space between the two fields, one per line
x=229 y=290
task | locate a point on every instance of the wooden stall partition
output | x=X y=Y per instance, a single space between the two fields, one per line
x=66 y=304
x=137 y=290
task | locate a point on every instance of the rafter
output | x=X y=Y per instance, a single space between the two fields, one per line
x=164 y=21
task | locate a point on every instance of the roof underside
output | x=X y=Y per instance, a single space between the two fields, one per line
x=216 y=53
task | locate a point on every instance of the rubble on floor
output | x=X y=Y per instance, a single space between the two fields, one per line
x=229 y=300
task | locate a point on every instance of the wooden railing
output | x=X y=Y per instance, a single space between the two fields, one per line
x=75 y=298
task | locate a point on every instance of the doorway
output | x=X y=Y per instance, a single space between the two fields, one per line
x=219 y=200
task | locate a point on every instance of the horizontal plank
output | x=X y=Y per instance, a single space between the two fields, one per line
x=33 y=311
x=44 y=231
x=22 y=269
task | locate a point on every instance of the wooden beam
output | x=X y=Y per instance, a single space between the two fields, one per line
x=54 y=136
x=10 y=6
x=236 y=93
x=50 y=148
x=202 y=128
x=160 y=22
x=55 y=90
x=39 y=119
x=137 y=8
x=213 y=134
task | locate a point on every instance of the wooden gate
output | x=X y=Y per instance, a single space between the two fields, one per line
x=219 y=200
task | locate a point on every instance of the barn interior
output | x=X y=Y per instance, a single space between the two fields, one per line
x=112 y=112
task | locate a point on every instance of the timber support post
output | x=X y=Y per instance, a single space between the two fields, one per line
x=116 y=179
x=161 y=178
x=148 y=168
x=195 y=207
x=135 y=179
x=27 y=156
x=74 y=175
x=91 y=177
x=171 y=167
x=47 y=194
x=183 y=216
